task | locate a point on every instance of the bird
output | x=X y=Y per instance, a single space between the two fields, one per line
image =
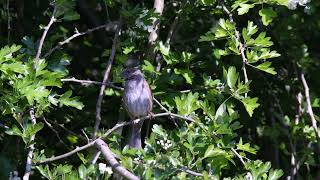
x=137 y=100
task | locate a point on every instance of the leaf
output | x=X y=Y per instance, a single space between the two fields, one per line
x=148 y=67
x=186 y=73
x=63 y=169
x=246 y=147
x=232 y=77
x=267 y=14
x=14 y=131
x=33 y=129
x=186 y=104
x=159 y=130
x=275 y=174
x=213 y=151
x=221 y=111
x=266 y=68
x=72 y=102
x=164 y=49
x=244 y=8
x=250 y=104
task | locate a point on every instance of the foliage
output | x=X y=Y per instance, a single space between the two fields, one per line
x=232 y=67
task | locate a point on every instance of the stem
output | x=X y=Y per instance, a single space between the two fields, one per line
x=46 y=29
x=31 y=147
x=105 y=79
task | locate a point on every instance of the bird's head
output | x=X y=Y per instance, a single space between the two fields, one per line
x=130 y=73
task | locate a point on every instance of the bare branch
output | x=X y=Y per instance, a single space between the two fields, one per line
x=310 y=111
x=109 y=26
x=8 y=21
x=45 y=161
x=95 y=157
x=46 y=29
x=56 y=132
x=31 y=147
x=108 y=155
x=105 y=79
x=86 y=82
x=158 y=6
x=190 y=172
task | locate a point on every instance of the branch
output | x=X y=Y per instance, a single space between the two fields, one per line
x=310 y=111
x=105 y=79
x=184 y=169
x=158 y=6
x=86 y=82
x=241 y=45
x=106 y=152
x=45 y=161
x=31 y=147
x=242 y=161
x=108 y=27
x=46 y=29
x=117 y=126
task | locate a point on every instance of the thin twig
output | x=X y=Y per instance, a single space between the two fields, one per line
x=108 y=27
x=242 y=161
x=241 y=45
x=31 y=147
x=184 y=169
x=310 y=111
x=85 y=135
x=105 y=79
x=67 y=130
x=9 y=23
x=95 y=157
x=108 y=155
x=85 y=82
x=56 y=132
x=46 y=29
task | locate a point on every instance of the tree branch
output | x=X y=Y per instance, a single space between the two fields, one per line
x=310 y=111
x=109 y=26
x=117 y=126
x=105 y=79
x=85 y=82
x=46 y=29
x=107 y=154
x=31 y=148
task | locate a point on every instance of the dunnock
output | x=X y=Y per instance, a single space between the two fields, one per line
x=137 y=100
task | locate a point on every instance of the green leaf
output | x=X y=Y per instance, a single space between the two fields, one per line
x=275 y=174
x=72 y=102
x=267 y=14
x=14 y=131
x=63 y=169
x=221 y=111
x=266 y=68
x=213 y=151
x=148 y=67
x=186 y=104
x=186 y=73
x=244 y=8
x=232 y=77
x=250 y=104
x=246 y=147
x=33 y=129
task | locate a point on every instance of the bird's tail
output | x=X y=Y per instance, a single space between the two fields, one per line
x=135 y=138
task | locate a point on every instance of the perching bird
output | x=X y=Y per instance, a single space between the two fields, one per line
x=137 y=100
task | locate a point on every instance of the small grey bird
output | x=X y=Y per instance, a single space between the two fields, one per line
x=137 y=100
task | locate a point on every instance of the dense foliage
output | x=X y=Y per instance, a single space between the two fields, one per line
x=236 y=81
